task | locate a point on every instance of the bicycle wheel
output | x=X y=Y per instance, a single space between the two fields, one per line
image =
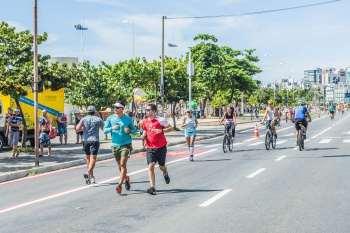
x=267 y=140
x=273 y=141
x=300 y=140
x=224 y=144
x=230 y=146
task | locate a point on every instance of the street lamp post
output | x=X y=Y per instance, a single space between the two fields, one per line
x=133 y=36
x=190 y=72
x=81 y=28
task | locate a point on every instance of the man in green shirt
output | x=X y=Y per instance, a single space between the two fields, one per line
x=120 y=126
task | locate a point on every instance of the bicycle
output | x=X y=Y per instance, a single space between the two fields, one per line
x=301 y=136
x=227 y=142
x=269 y=138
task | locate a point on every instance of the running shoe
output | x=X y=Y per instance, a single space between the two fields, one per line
x=297 y=143
x=151 y=191
x=167 y=178
x=191 y=158
x=127 y=183
x=93 y=181
x=119 y=189
x=87 y=178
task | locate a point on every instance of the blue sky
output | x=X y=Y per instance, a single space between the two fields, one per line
x=287 y=42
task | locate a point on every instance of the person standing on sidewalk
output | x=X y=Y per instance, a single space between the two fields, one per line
x=90 y=126
x=62 y=127
x=190 y=123
x=153 y=131
x=13 y=135
x=76 y=122
x=120 y=126
x=45 y=132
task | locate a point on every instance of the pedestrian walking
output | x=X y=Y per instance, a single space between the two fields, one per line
x=90 y=126
x=45 y=128
x=120 y=126
x=190 y=123
x=13 y=134
x=153 y=131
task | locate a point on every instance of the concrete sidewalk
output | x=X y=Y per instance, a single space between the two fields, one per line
x=64 y=156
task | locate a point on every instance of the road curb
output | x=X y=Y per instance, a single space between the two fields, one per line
x=78 y=162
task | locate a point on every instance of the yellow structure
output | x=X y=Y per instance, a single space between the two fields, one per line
x=51 y=101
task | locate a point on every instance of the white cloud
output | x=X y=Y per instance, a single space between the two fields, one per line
x=19 y=26
x=104 y=2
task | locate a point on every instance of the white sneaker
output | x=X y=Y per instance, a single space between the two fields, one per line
x=93 y=181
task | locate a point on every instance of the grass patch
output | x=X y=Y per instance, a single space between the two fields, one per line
x=176 y=129
x=31 y=172
x=26 y=149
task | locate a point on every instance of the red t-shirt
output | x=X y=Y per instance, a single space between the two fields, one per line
x=153 y=139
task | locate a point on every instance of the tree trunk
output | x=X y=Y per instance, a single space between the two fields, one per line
x=24 y=131
x=174 y=115
x=100 y=116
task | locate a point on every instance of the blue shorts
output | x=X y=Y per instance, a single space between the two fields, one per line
x=268 y=122
x=189 y=134
x=62 y=130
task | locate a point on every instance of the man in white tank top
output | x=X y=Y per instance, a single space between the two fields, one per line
x=271 y=116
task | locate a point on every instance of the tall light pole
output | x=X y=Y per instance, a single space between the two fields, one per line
x=133 y=37
x=190 y=71
x=171 y=45
x=81 y=28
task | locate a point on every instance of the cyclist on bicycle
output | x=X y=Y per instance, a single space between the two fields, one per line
x=272 y=115
x=331 y=111
x=230 y=119
x=300 y=111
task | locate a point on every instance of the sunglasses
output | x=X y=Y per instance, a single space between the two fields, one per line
x=188 y=112
x=148 y=109
x=116 y=107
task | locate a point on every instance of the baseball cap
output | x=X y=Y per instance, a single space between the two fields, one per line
x=189 y=110
x=91 y=109
x=119 y=105
x=16 y=109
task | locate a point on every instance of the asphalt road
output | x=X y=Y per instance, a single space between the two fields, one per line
x=246 y=190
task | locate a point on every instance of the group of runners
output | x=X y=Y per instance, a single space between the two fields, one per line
x=120 y=127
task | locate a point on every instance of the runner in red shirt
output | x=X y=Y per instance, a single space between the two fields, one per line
x=153 y=131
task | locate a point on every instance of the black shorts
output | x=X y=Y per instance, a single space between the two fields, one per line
x=91 y=147
x=156 y=155
x=332 y=112
x=304 y=123
x=79 y=132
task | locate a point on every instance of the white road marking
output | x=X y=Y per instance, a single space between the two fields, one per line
x=255 y=173
x=280 y=142
x=280 y=158
x=256 y=143
x=346 y=141
x=325 y=140
x=215 y=198
x=40 y=199
x=286 y=135
x=321 y=132
x=212 y=145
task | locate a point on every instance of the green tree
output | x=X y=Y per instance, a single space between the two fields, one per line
x=16 y=67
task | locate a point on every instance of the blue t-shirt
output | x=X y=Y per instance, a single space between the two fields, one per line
x=119 y=137
x=331 y=108
x=15 y=120
x=299 y=112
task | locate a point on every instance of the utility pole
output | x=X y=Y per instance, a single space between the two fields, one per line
x=162 y=69
x=81 y=28
x=36 y=138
